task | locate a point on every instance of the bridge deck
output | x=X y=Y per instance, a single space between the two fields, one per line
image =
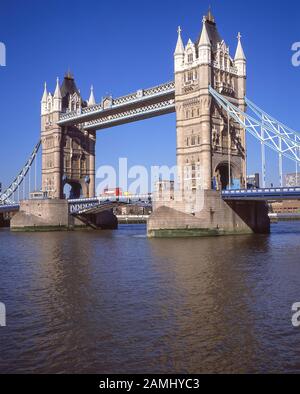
x=9 y=208
x=271 y=194
x=104 y=203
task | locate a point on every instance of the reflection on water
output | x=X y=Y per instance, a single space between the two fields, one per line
x=109 y=302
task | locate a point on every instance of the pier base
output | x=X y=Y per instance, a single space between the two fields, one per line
x=216 y=217
x=41 y=215
x=4 y=220
x=53 y=215
x=105 y=220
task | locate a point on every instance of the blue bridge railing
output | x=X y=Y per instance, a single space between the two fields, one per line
x=270 y=194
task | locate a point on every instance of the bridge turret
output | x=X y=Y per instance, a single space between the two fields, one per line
x=92 y=100
x=240 y=63
x=240 y=58
x=204 y=46
x=204 y=181
x=44 y=109
x=57 y=98
x=71 y=98
x=179 y=52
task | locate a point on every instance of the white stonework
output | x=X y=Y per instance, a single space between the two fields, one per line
x=206 y=147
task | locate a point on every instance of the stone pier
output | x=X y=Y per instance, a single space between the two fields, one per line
x=53 y=215
x=216 y=217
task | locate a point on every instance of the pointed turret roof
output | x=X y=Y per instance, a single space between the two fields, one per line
x=68 y=88
x=211 y=29
x=204 y=38
x=179 y=46
x=210 y=16
x=57 y=93
x=239 y=55
x=45 y=94
x=92 y=100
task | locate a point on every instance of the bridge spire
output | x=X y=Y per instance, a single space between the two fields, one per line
x=57 y=93
x=57 y=98
x=239 y=55
x=204 y=39
x=240 y=58
x=45 y=94
x=204 y=45
x=44 y=100
x=92 y=100
x=179 y=47
x=210 y=17
x=179 y=52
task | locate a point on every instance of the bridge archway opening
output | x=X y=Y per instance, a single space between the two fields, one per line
x=73 y=190
x=222 y=176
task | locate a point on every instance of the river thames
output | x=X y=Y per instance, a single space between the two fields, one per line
x=117 y=302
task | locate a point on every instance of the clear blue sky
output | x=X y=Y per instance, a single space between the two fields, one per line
x=123 y=45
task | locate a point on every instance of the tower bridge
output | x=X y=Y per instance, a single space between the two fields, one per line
x=213 y=116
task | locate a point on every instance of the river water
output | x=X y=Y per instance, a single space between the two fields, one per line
x=117 y=302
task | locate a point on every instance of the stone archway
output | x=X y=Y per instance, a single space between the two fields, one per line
x=73 y=190
x=222 y=176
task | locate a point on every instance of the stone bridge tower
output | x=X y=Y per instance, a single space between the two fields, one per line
x=211 y=147
x=68 y=153
x=211 y=151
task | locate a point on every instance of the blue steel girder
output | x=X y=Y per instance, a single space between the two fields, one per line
x=269 y=194
x=287 y=131
x=266 y=129
x=136 y=106
x=9 y=208
x=5 y=197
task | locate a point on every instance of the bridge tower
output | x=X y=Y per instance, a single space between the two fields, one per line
x=211 y=149
x=68 y=153
x=211 y=146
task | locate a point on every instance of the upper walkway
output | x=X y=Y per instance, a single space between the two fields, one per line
x=111 y=112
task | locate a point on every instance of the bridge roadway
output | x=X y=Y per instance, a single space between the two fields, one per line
x=85 y=205
x=270 y=194
x=96 y=205
x=9 y=208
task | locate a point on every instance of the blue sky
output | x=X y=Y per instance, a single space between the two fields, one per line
x=122 y=46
